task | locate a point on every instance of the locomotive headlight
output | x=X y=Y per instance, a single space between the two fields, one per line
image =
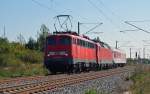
x=63 y=53
x=51 y=53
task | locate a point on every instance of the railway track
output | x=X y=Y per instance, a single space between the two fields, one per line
x=33 y=85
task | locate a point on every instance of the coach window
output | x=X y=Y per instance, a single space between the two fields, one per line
x=89 y=45
x=92 y=45
x=81 y=42
x=86 y=44
x=73 y=41
x=78 y=41
x=114 y=55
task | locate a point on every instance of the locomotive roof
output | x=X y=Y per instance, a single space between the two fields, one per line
x=73 y=34
x=102 y=44
x=83 y=37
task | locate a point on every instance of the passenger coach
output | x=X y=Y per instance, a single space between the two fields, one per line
x=119 y=58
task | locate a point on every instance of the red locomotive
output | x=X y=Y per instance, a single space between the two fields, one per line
x=69 y=52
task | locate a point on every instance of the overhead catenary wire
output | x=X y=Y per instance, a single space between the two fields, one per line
x=137 y=27
x=140 y=21
x=93 y=28
x=129 y=30
x=43 y=5
x=101 y=12
x=110 y=10
x=51 y=3
x=116 y=26
x=118 y=17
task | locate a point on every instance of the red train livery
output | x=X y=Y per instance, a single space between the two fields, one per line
x=69 y=52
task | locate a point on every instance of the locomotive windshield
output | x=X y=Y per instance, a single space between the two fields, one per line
x=59 y=40
x=51 y=41
x=64 y=40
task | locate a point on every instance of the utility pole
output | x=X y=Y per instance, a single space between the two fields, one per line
x=130 y=53
x=143 y=53
x=78 y=28
x=116 y=44
x=136 y=55
x=4 y=32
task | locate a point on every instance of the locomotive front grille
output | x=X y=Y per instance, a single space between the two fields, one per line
x=59 y=64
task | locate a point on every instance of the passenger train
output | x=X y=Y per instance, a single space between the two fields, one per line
x=70 y=52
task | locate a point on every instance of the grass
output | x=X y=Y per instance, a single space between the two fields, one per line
x=94 y=91
x=141 y=80
x=24 y=70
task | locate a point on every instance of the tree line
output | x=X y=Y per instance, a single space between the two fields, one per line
x=32 y=44
x=40 y=42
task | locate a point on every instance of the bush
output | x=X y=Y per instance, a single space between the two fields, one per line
x=31 y=56
x=16 y=60
x=10 y=66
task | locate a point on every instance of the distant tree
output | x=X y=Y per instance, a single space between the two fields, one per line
x=21 y=39
x=42 y=37
x=32 y=44
x=4 y=45
x=97 y=39
x=3 y=40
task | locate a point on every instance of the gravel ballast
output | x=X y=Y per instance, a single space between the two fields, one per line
x=115 y=84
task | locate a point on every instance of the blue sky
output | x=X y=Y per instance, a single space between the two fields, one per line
x=26 y=17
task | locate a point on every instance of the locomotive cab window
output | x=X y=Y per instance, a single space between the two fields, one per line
x=51 y=40
x=65 y=40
